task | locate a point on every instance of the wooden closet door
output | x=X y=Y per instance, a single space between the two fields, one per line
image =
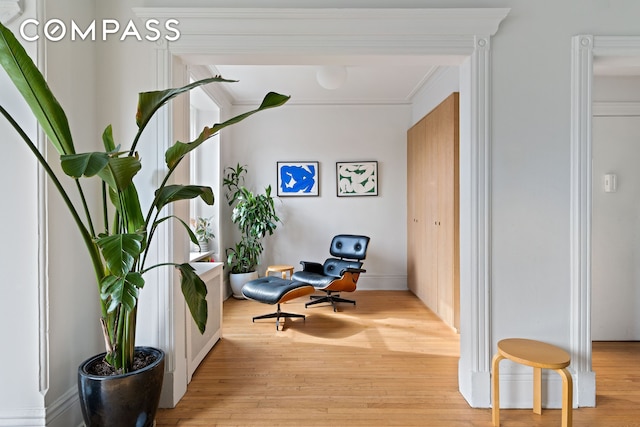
x=448 y=211
x=430 y=196
x=415 y=137
x=433 y=210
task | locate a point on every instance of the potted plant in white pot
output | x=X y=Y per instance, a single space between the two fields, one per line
x=203 y=229
x=118 y=248
x=255 y=216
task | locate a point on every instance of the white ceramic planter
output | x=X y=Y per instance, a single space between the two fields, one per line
x=237 y=281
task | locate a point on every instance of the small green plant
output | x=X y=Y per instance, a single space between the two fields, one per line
x=203 y=229
x=255 y=216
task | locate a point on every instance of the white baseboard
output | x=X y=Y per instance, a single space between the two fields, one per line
x=369 y=282
x=22 y=417
x=64 y=412
x=516 y=390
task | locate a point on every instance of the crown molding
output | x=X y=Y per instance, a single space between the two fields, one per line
x=332 y=21
x=319 y=31
x=10 y=10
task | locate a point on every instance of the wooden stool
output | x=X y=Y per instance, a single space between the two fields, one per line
x=540 y=356
x=283 y=269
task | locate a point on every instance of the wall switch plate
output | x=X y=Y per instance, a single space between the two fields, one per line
x=610 y=183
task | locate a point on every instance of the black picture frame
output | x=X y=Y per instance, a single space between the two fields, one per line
x=298 y=179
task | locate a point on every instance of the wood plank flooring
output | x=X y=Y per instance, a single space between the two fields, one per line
x=388 y=361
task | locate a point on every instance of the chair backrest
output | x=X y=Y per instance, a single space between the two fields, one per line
x=333 y=267
x=349 y=246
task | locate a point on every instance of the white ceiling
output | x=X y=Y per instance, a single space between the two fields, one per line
x=367 y=82
x=381 y=84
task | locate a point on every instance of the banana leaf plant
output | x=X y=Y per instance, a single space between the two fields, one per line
x=119 y=240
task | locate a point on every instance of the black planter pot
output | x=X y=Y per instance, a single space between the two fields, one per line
x=127 y=400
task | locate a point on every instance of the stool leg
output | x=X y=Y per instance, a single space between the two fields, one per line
x=495 y=393
x=567 y=397
x=537 y=391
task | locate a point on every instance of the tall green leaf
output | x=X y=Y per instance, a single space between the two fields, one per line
x=173 y=193
x=180 y=149
x=150 y=102
x=120 y=251
x=35 y=90
x=121 y=290
x=119 y=172
x=85 y=164
x=107 y=139
x=195 y=294
x=127 y=203
x=192 y=235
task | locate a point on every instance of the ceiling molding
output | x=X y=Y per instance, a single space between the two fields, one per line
x=428 y=80
x=330 y=102
x=218 y=95
x=320 y=31
x=10 y=10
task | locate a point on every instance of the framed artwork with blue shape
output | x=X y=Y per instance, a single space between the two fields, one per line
x=298 y=178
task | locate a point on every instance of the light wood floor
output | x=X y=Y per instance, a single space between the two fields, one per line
x=386 y=362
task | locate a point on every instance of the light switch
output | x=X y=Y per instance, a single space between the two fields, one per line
x=610 y=183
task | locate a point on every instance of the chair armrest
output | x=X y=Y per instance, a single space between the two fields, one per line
x=352 y=270
x=313 y=267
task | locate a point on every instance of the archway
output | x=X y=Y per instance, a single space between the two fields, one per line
x=232 y=35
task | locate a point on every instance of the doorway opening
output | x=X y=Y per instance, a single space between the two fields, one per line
x=587 y=50
x=277 y=35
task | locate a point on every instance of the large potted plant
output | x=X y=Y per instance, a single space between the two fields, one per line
x=117 y=246
x=255 y=215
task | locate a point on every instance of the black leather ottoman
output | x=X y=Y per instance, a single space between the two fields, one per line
x=274 y=290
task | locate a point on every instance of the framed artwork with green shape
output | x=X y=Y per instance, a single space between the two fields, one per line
x=357 y=178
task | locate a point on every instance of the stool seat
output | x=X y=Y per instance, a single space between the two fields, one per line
x=283 y=269
x=274 y=290
x=539 y=355
x=532 y=353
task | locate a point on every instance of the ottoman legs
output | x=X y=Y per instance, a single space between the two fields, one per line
x=278 y=314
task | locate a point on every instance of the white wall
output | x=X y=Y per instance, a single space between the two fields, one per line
x=19 y=305
x=328 y=134
x=615 y=222
x=71 y=296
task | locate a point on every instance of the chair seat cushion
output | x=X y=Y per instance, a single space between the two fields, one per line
x=274 y=290
x=318 y=281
